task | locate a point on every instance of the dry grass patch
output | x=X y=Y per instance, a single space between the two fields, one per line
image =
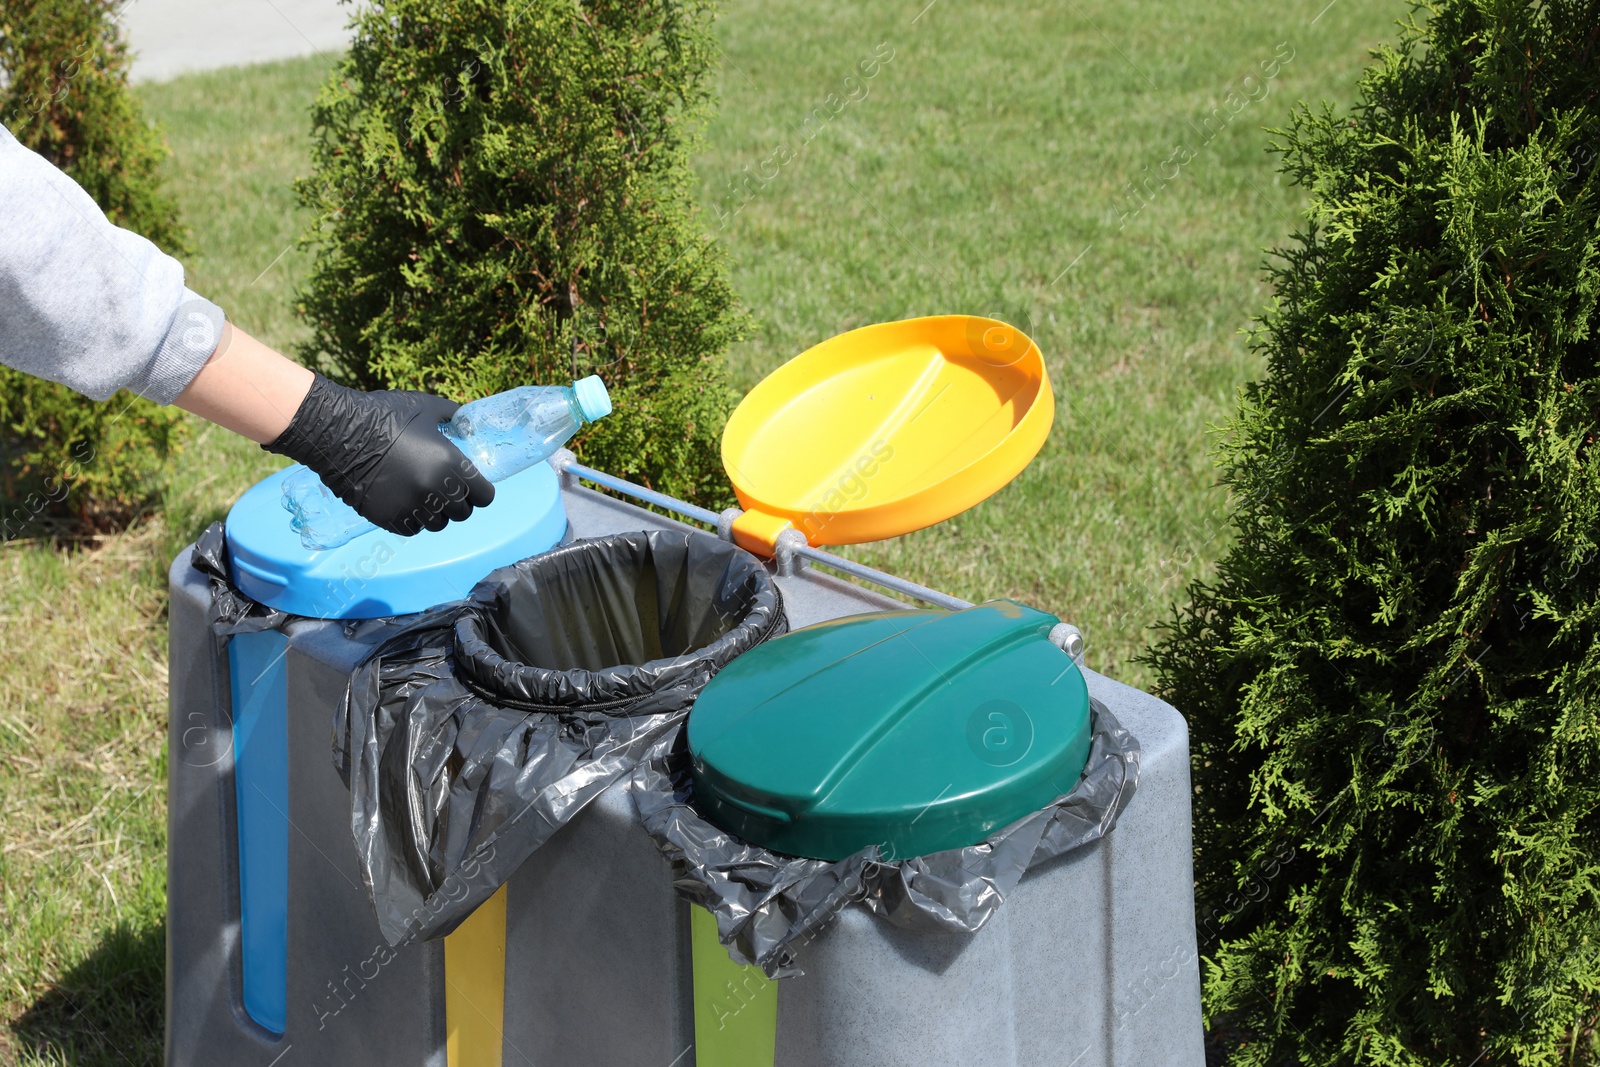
x=82 y=800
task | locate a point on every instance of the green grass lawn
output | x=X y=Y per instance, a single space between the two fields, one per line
x=984 y=168
x=985 y=171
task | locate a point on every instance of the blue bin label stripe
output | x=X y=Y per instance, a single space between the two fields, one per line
x=257 y=664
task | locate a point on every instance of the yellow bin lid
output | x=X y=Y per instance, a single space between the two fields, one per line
x=886 y=429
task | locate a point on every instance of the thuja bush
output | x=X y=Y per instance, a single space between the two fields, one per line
x=504 y=197
x=1392 y=679
x=64 y=93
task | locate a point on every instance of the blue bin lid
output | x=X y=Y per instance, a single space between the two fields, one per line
x=380 y=573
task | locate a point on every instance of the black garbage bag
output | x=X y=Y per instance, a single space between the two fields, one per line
x=474 y=733
x=231 y=611
x=769 y=905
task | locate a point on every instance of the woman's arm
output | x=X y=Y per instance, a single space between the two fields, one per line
x=248 y=388
x=99 y=308
x=85 y=302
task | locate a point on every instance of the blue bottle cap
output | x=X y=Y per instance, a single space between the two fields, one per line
x=593 y=399
x=379 y=573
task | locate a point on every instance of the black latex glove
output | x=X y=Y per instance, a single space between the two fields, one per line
x=382 y=453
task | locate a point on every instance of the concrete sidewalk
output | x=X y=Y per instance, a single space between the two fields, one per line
x=172 y=37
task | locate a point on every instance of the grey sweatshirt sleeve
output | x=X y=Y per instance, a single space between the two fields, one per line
x=86 y=303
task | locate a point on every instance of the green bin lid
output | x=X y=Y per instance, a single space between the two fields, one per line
x=915 y=731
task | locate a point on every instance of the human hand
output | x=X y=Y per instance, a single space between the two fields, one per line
x=382 y=453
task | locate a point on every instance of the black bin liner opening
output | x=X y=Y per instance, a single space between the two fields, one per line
x=474 y=733
x=601 y=625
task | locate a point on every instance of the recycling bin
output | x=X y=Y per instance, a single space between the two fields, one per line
x=602 y=961
x=590 y=953
x=1089 y=960
x=270 y=930
x=475 y=732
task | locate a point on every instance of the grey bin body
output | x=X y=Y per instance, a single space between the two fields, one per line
x=1090 y=961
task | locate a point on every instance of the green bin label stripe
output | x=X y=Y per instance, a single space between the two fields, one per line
x=735 y=1007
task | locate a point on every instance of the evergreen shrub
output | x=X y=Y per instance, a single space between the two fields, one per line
x=504 y=197
x=1393 y=680
x=64 y=93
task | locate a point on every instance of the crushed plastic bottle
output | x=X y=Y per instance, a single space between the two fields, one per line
x=503 y=434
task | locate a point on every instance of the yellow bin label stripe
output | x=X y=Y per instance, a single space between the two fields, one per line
x=475 y=986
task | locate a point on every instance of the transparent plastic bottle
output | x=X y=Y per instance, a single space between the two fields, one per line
x=503 y=434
